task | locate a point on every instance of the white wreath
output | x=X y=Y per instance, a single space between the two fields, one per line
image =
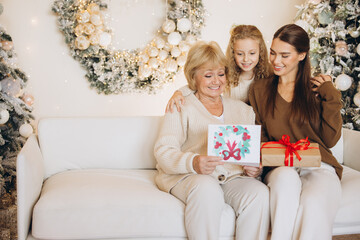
x=136 y=70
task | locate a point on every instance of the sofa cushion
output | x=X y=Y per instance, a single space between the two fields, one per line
x=347 y=220
x=114 y=143
x=105 y=203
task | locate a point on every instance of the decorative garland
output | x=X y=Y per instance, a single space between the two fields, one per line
x=231 y=148
x=135 y=70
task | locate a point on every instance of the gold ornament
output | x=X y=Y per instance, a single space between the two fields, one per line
x=341 y=48
x=93 y=8
x=83 y=16
x=94 y=38
x=82 y=42
x=79 y=30
x=89 y=28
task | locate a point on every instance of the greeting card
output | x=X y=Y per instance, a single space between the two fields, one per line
x=238 y=144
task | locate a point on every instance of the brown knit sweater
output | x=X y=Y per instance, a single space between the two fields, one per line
x=326 y=133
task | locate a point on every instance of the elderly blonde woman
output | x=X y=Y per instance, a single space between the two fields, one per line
x=205 y=183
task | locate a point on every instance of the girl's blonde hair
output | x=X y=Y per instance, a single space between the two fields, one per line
x=200 y=54
x=262 y=69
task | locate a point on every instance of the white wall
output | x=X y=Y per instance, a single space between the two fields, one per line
x=57 y=81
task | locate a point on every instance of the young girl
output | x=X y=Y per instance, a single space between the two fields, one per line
x=247 y=60
x=303 y=201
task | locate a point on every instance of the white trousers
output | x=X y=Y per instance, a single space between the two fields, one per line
x=205 y=198
x=303 y=202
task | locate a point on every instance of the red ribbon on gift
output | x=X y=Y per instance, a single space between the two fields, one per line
x=235 y=153
x=290 y=148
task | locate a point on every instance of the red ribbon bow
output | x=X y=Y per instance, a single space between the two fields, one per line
x=290 y=148
x=235 y=153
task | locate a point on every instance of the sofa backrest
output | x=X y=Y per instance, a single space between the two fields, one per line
x=82 y=143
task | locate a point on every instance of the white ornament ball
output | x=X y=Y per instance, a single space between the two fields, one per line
x=0 y=86
x=358 y=49
x=174 y=38
x=10 y=86
x=153 y=51
x=183 y=25
x=343 y=82
x=96 y=19
x=184 y=47
x=144 y=58
x=89 y=28
x=144 y=71
x=171 y=65
x=357 y=99
x=181 y=60
x=26 y=130
x=105 y=39
x=82 y=43
x=175 y=52
x=314 y=1
x=355 y=33
x=83 y=16
x=168 y=26
x=163 y=55
x=94 y=38
x=93 y=8
x=4 y=116
x=153 y=63
x=160 y=43
x=191 y=39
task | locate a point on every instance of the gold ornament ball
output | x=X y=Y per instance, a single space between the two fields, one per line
x=93 y=8
x=28 y=99
x=7 y=45
x=163 y=55
x=79 y=30
x=83 y=16
x=153 y=51
x=357 y=99
x=94 y=38
x=171 y=65
x=82 y=42
x=354 y=33
x=174 y=38
x=181 y=60
x=143 y=58
x=153 y=63
x=144 y=71
x=96 y=19
x=175 y=52
x=341 y=48
x=89 y=28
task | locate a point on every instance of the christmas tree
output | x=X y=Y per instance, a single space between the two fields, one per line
x=15 y=116
x=334 y=30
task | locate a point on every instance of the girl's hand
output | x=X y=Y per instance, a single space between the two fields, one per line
x=203 y=164
x=319 y=80
x=177 y=99
x=252 y=171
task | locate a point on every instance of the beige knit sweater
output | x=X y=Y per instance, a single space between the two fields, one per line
x=183 y=135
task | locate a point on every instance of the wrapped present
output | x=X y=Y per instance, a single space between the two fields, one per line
x=236 y=143
x=283 y=153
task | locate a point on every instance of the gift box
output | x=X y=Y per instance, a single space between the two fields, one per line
x=283 y=153
x=239 y=144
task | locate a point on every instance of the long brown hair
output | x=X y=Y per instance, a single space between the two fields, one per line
x=263 y=68
x=303 y=104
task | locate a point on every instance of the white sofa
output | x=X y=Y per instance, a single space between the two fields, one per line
x=93 y=178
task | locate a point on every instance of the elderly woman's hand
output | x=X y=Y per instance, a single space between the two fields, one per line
x=203 y=164
x=177 y=99
x=252 y=171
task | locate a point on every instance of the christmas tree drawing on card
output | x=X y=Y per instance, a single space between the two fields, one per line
x=238 y=144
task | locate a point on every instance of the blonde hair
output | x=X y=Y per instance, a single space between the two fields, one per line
x=200 y=54
x=262 y=69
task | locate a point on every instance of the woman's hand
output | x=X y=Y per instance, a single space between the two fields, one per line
x=319 y=80
x=176 y=98
x=203 y=164
x=252 y=171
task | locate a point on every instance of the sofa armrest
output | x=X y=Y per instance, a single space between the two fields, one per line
x=30 y=177
x=352 y=149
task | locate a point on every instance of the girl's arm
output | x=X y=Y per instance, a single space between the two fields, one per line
x=178 y=99
x=331 y=121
